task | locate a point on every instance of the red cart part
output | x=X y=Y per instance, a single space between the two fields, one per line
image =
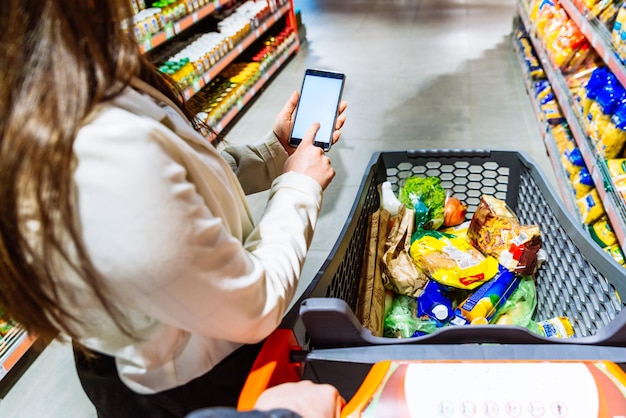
x=272 y=367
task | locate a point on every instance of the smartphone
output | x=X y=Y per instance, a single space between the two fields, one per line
x=320 y=96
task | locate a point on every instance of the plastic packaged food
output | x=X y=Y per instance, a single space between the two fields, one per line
x=558 y=327
x=483 y=304
x=612 y=139
x=572 y=161
x=582 y=183
x=496 y=231
x=451 y=260
x=602 y=233
x=616 y=253
x=590 y=207
x=520 y=307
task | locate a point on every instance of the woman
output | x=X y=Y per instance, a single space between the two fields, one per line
x=124 y=229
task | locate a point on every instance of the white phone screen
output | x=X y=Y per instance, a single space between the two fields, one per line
x=319 y=99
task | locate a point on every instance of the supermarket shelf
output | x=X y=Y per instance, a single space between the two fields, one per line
x=612 y=205
x=235 y=52
x=256 y=88
x=555 y=158
x=598 y=36
x=179 y=26
x=16 y=343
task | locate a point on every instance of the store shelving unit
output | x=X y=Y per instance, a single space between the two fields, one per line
x=14 y=345
x=235 y=52
x=613 y=204
x=550 y=143
x=179 y=26
x=18 y=342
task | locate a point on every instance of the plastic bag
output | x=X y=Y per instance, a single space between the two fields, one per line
x=400 y=321
x=520 y=307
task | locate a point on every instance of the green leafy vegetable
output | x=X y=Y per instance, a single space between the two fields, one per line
x=418 y=192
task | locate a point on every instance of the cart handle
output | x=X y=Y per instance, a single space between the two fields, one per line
x=272 y=367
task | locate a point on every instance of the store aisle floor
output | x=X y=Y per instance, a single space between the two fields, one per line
x=420 y=74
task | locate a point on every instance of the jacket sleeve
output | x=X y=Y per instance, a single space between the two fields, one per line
x=166 y=250
x=257 y=165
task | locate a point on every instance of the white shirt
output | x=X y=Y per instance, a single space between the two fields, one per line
x=166 y=222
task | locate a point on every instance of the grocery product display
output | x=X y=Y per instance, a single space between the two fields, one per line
x=574 y=76
x=219 y=52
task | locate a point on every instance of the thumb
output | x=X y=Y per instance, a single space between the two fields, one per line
x=291 y=104
x=309 y=135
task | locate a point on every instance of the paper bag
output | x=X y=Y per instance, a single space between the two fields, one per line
x=399 y=272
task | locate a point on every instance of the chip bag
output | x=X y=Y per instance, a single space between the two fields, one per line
x=495 y=230
x=451 y=260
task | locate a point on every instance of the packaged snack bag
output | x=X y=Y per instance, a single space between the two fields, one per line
x=612 y=139
x=451 y=260
x=596 y=81
x=558 y=327
x=616 y=252
x=572 y=160
x=482 y=305
x=602 y=233
x=590 y=207
x=582 y=183
x=496 y=231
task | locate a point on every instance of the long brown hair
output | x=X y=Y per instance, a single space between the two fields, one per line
x=59 y=58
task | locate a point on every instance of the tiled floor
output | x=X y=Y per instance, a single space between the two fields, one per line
x=420 y=74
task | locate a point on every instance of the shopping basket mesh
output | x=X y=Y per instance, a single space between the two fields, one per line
x=567 y=285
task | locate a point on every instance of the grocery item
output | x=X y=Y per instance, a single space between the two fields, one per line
x=590 y=207
x=572 y=160
x=451 y=260
x=602 y=233
x=454 y=211
x=389 y=201
x=371 y=298
x=616 y=253
x=427 y=197
x=401 y=322
x=520 y=307
x=612 y=139
x=558 y=327
x=496 y=231
x=399 y=272
x=596 y=81
x=582 y=183
x=433 y=303
x=482 y=305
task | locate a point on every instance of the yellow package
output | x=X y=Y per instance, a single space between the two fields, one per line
x=451 y=260
x=582 y=183
x=616 y=167
x=460 y=230
x=611 y=140
x=616 y=252
x=572 y=161
x=590 y=207
x=602 y=233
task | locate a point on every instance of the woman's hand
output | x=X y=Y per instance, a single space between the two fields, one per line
x=284 y=122
x=311 y=160
x=306 y=398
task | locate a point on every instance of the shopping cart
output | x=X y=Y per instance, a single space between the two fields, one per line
x=323 y=341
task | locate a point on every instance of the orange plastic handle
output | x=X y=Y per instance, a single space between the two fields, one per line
x=271 y=367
